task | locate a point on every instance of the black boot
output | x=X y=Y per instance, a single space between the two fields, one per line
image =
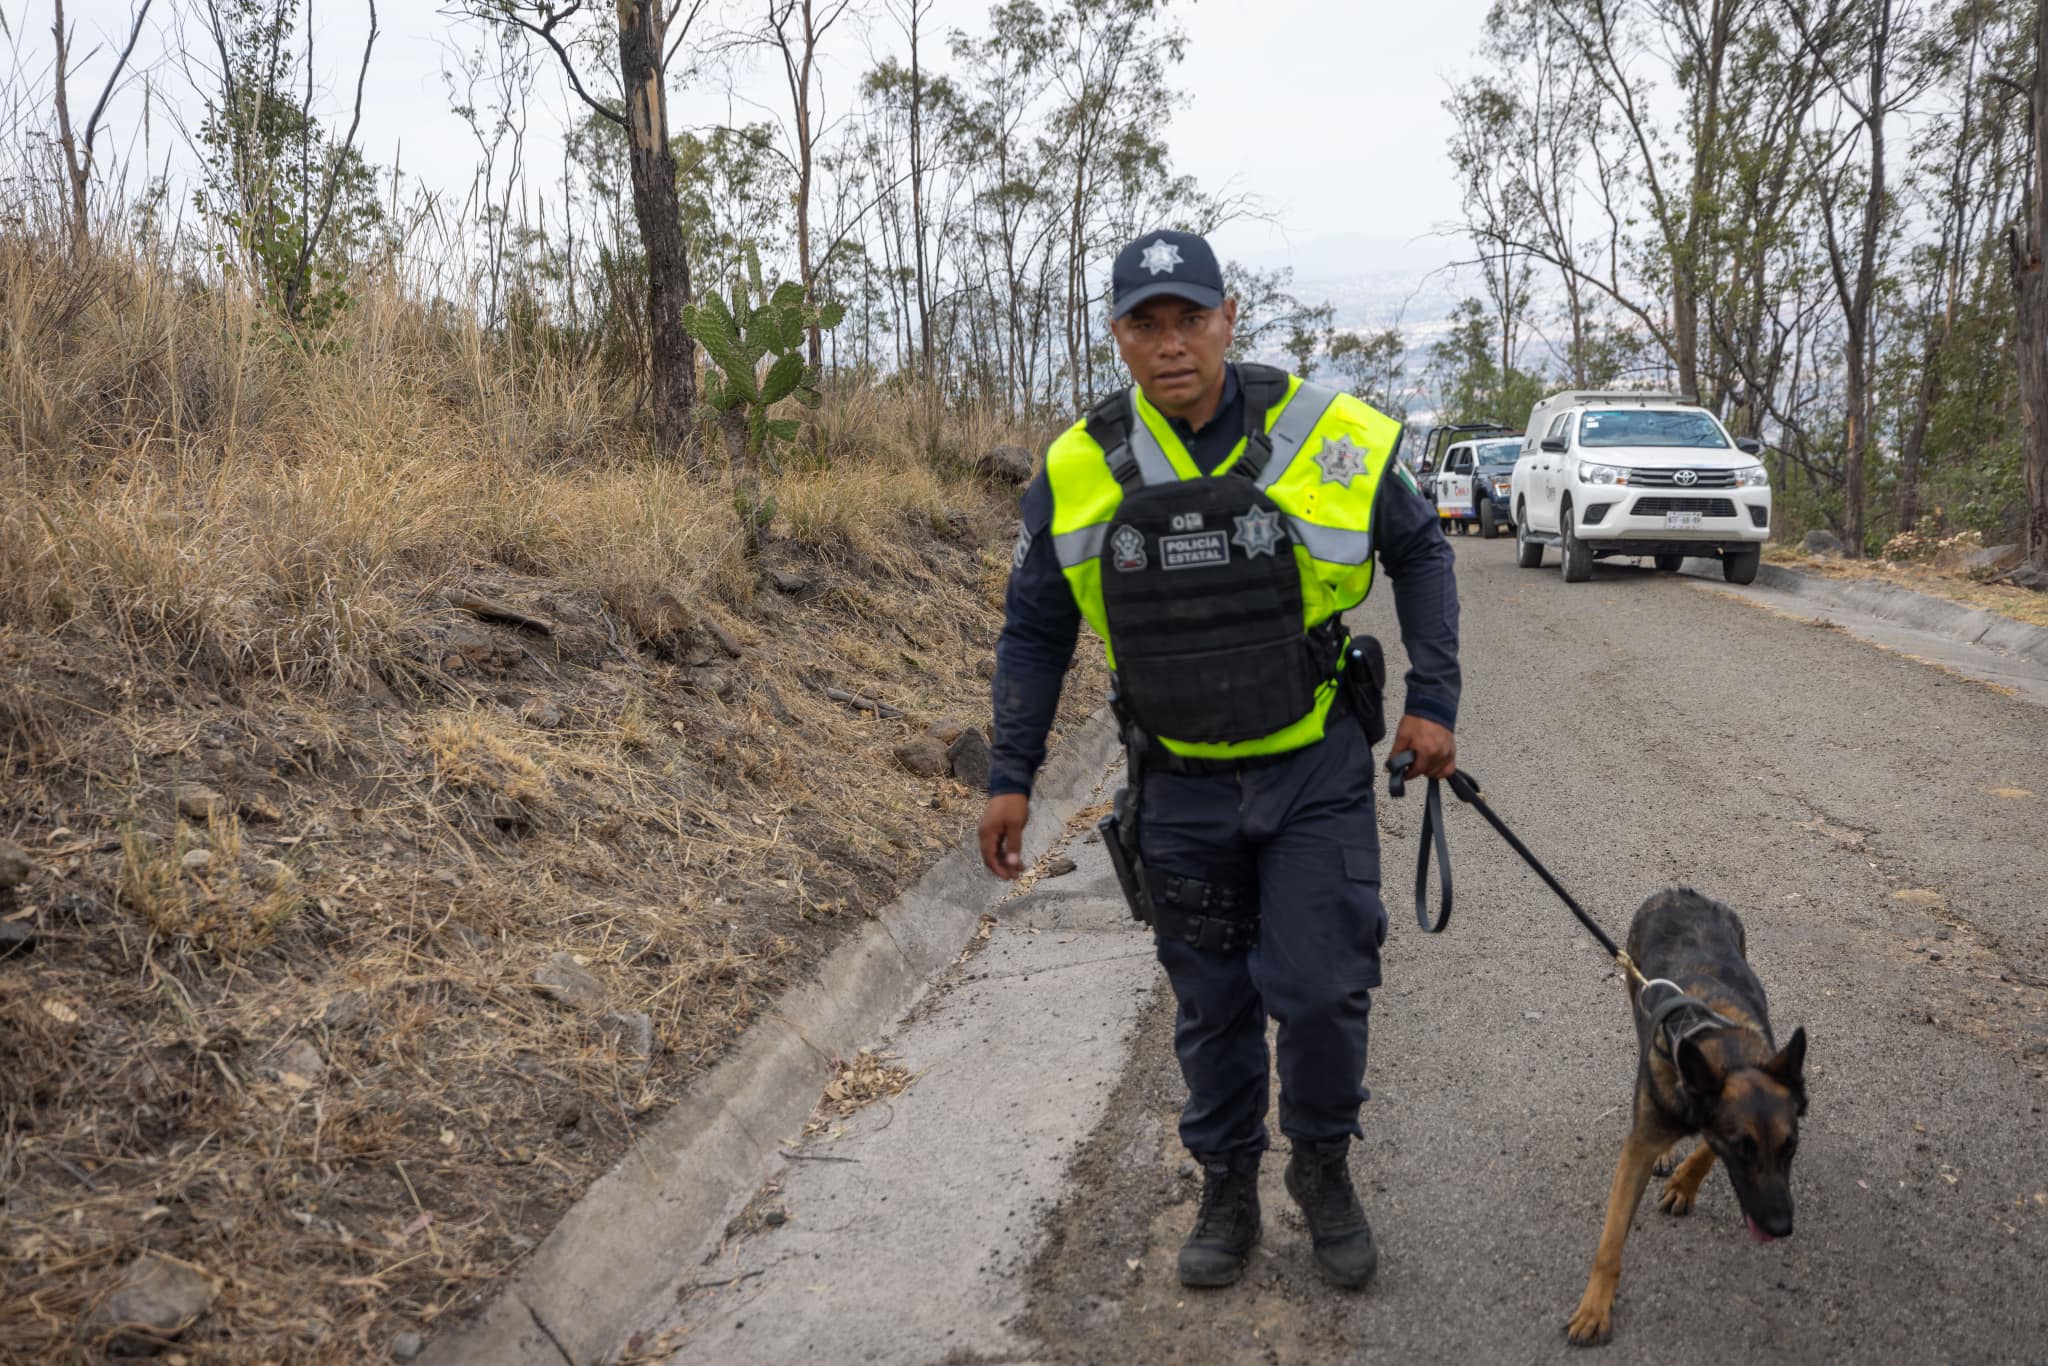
x=1319 y=1179
x=1227 y=1224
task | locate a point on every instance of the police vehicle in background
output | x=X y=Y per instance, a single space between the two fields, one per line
x=1650 y=475
x=1473 y=487
x=1448 y=473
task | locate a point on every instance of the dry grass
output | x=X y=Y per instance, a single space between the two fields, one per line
x=1936 y=578
x=232 y=561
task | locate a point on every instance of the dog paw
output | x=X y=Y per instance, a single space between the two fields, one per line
x=1666 y=1164
x=1592 y=1325
x=1676 y=1200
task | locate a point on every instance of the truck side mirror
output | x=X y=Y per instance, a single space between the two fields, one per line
x=1749 y=445
x=1554 y=444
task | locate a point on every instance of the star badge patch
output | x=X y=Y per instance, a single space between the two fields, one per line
x=1161 y=257
x=1342 y=462
x=1258 y=531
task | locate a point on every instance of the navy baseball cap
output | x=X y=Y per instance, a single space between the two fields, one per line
x=1179 y=265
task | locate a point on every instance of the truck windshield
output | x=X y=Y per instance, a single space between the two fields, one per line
x=1650 y=427
x=1498 y=452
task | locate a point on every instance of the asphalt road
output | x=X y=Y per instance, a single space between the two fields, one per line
x=1880 y=824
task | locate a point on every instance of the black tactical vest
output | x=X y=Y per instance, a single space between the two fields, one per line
x=1203 y=595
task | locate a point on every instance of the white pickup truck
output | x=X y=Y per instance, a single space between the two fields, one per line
x=1651 y=475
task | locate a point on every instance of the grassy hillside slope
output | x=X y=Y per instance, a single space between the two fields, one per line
x=418 y=784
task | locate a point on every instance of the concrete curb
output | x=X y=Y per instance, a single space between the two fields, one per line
x=1919 y=611
x=671 y=1194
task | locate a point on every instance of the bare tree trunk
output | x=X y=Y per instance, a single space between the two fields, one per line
x=917 y=219
x=2028 y=244
x=672 y=354
x=1912 y=449
x=74 y=167
x=76 y=144
x=1863 y=304
x=1689 y=270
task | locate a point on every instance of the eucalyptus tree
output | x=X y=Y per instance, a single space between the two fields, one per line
x=643 y=37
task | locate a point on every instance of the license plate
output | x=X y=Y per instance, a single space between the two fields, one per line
x=1682 y=521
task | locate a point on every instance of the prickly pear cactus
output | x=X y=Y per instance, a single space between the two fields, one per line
x=740 y=337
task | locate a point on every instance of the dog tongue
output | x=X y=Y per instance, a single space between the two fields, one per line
x=1757 y=1233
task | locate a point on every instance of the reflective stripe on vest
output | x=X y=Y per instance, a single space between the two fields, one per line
x=1297 y=420
x=1078 y=547
x=1330 y=543
x=1153 y=465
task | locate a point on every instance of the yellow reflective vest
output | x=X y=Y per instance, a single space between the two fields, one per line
x=1330 y=452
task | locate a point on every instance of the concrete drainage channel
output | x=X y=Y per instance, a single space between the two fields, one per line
x=901 y=1230
x=663 y=1208
x=1986 y=645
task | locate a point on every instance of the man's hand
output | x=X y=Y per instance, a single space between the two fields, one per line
x=1436 y=752
x=1002 y=833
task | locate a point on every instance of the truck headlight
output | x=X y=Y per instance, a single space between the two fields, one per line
x=1601 y=474
x=1752 y=477
x=1503 y=487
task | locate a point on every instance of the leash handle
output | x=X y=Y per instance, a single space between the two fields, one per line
x=1434 y=835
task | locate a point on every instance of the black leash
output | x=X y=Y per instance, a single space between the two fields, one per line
x=1466 y=789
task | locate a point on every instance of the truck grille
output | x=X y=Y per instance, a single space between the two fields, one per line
x=1667 y=479
x=1711 y=507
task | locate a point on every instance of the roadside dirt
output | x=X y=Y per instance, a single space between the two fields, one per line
x=343 y=999
x=1936 y=578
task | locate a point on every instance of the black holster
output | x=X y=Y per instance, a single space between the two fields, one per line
x=1210 y=916
x=1119 y=830
x=1364 y=685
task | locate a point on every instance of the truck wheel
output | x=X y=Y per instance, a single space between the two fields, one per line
x=1489 y=527
x=1577 y=559
x=1528 y=553
x=1739 y=566
x=1668 y=564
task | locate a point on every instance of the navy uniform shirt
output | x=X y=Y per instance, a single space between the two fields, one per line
x=1042 y=623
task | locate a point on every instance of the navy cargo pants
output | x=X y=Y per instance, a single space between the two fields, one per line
x=1300 y=831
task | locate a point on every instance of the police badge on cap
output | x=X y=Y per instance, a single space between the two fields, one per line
x=1165 y=264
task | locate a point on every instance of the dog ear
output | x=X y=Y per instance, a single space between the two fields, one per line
x=1695 y=1072
x=1791 y=1060
x=1789 y=1066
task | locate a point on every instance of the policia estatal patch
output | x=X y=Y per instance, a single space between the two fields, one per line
x=1194 y=550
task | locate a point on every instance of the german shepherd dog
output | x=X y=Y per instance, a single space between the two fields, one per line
x=1706 y=1064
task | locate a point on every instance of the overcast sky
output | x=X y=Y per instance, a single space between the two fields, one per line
x=1329 y=112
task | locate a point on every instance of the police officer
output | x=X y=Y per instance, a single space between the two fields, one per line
x=1212 y=523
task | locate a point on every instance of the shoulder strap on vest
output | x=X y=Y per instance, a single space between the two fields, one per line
x=1109 y=426
x=1262 y=387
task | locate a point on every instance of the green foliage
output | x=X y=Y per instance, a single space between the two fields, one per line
x=738 y=336
x=1373 y=367
x=295 y=202
x=735 y=189
x=1270 y=317
x=1466 y=375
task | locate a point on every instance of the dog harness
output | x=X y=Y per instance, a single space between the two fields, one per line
x=1674 y=1016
